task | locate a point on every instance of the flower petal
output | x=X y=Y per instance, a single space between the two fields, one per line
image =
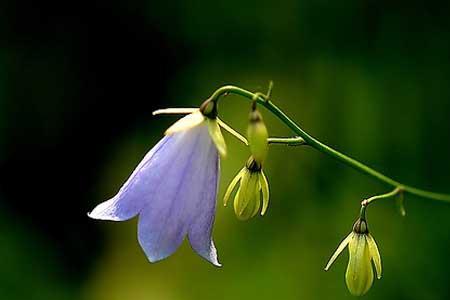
x=180 y=198
x=249 y=211
x=203 y=209
x=136 y=190
x=217 y=137
x=359 y=274
x=265 y=192
x=249 y=194
x=187 y=122
x=374 y=253
x=339 y=250
x=256 y=199
x=238 y=198
x=232 y=185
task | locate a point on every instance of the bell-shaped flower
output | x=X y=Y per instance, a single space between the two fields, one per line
x=252 y=183
x=362 y=251
x=173 y=190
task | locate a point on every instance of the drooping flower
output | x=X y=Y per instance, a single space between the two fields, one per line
x=251 y=179
x=173 y=190
x=252 y=183
x=362 y=251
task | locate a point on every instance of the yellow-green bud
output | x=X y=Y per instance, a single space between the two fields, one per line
x=251 y=184
x=257 y=136
x=359 y=274
x=362 y=251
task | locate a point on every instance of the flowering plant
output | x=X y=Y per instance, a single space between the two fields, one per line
x=173 y=190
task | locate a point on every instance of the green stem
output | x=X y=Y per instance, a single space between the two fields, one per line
x=311 y=141
x=367 y=201
x=290 y=141
x=362 y=212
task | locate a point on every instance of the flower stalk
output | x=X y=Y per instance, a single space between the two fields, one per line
x=316 y=144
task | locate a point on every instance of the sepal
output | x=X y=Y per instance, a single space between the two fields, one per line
x=339 y=250
x=216 y=136
x=374 y=254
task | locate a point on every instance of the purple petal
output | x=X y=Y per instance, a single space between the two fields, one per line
x=184 y=201
x=138 y=189
x=200 y=230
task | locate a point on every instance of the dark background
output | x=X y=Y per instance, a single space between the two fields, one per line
x=78 y=83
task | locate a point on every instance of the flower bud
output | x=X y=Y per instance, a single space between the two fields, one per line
x=257 y=135
x=252 y=183
x=362 y=251
x=359 y=274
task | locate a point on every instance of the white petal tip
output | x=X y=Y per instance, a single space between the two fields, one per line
x=217 y=264
x=213 y=260
x=93 y=215
x=187 y=122
x=153 y=260
x=100 y=212
x=174 y=111
x=102 y=217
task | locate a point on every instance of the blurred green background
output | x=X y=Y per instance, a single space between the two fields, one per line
x=78 y=83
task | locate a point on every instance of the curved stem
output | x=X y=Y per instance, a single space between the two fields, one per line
x=290 y=141
x=310 y=140
x=362 y=212
x=367 y=201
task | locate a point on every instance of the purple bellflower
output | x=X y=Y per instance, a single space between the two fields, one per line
x=173 y=190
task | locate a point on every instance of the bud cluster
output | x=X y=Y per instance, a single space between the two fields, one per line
x=251 y=179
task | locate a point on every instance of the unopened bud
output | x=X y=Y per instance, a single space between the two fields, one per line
x=252 y=191
x=257 y=136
